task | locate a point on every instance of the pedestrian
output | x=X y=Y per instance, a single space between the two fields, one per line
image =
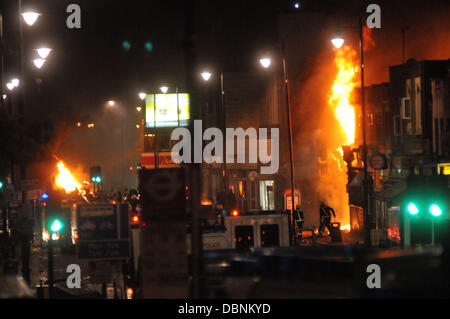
x=220 y=215
x=325 y=217
x=299 y=220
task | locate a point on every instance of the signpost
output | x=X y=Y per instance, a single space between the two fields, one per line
x=103 y=231
x=164 y=262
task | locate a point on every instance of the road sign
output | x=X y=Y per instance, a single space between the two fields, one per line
x=163 y=193
x=164 y=268
x=378 y=161
x=103 y=231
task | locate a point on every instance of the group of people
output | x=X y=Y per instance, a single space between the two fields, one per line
x=325 y=218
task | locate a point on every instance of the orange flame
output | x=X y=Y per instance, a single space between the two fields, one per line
x=339 y=100
x=65 y=180
x=341 y=92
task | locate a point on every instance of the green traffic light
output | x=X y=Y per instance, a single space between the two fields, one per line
x=56 y=226
x=435 y=210
x=412 y=209
x=148 y=46
x=98 y=179
x=126 y=45
x=1 y=185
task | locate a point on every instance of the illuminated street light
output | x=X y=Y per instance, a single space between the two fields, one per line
x=164 y=89
x=142 y=95
x=30 y=17
x=265 y=62
x=338 y=42
x=39 y=63
x=139 y=108
x=111 y=103
x=43 y=52
x=15 y=82
x=206 y=75
x=10 y=86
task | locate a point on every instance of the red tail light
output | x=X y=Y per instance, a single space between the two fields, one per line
x=235 y=213
x=135 y=219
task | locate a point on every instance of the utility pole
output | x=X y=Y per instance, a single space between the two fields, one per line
x=366 y=182
x=291 y=145
x=194 y=169
x=50 y=275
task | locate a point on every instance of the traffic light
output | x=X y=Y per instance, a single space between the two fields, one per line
x=1 y=184
x=56 y=225
x=96 y=174
x=435 y=210
x=412 y=209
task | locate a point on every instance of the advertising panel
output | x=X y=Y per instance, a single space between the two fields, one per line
x=166 y=110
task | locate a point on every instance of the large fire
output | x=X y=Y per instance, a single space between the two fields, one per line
x=341 y=92
x=65 y=180
x=340 y=102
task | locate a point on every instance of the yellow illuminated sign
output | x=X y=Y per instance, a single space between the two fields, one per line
x=445 y=167
x=167 y=110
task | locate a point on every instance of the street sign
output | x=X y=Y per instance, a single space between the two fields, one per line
x=288 y=199
x=378 y=161
x=164 y=267
x=163 y=193
x=103 y=231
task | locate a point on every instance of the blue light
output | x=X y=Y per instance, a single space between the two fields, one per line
x=44 y=196
x=296 y=5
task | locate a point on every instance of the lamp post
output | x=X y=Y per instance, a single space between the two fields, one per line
x=266 y=62
x=206 y=76
x=338 y=41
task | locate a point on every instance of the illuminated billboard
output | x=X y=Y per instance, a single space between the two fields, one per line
x=166 y=110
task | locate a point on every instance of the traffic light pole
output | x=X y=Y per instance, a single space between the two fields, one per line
x=50 y=266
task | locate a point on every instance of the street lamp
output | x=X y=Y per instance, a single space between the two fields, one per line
x=30 y=17
x=265 y=62
x=206 y=75
x=164 y=89
x=338 y=41
x=39 y=62
x=142 y=95
x=111 y=103
x=15 y=82
x=43 y=52
x=139 y=108
x=10 y=86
